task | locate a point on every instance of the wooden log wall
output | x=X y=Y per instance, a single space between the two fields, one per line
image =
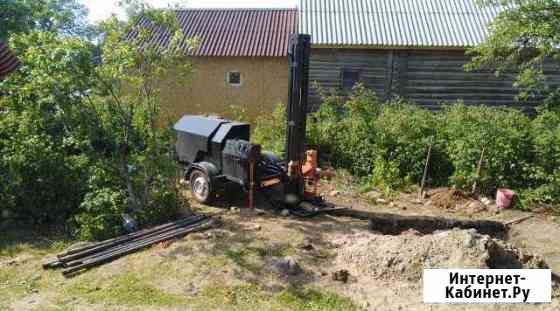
x=326 y=67
x=431 y=78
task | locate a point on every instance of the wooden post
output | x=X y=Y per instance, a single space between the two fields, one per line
x=402 y=74
x=425 y=175
x=390 y=68
x=478 y=168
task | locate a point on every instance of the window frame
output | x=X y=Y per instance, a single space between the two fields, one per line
x=358 y=72
x=228 y=80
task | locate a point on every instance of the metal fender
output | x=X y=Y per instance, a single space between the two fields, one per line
x=210 y=169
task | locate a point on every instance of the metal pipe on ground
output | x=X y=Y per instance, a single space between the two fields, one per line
x=128 y=249
x=105 y=245
x=102 y=260
x=134 y=243
x=178 y=225
x=124 y=237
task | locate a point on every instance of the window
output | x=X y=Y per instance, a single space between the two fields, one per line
x=350 y=78
x=233 y=78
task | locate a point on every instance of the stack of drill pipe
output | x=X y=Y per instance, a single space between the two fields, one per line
x=80 y=259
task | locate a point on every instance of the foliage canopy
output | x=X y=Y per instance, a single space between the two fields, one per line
x=67 y=17
x=523 y=38
x=82 y=140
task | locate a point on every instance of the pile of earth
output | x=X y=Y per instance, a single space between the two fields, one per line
x=455 y=199
x=403 y=257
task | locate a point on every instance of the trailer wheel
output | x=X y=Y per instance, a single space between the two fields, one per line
x=201 y=187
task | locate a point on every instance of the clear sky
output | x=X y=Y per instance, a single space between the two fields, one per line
x=100 y=9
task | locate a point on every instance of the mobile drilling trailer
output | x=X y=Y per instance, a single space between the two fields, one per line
x=216 y=151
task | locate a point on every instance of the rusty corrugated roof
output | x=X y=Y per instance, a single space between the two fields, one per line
x=235 y=32
x=8 y=61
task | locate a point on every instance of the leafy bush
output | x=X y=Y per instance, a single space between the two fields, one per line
x=165 y=202
x=101 y=214
x=545 y=169
x=101 y=211
x=270 y=131
x=404 y=134
x=386 y=143
x=502 y=133
x=344 y=131
x=80 y=141
x=43 y=147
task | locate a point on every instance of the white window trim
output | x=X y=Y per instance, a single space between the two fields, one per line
x=240 y=78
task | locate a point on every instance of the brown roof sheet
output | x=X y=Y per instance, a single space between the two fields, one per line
x=8 y=61
x=235 y=32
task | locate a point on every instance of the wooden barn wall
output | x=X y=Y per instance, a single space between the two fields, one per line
x=430 y=78
x=326 y=65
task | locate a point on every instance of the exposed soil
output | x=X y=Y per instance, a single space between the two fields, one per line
x=265 y=254
x=449 y=198
x=538 y=234
x=404 y=257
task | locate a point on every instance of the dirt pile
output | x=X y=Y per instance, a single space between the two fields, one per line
x=454 y=199
x=448 y=198
x=403 y=257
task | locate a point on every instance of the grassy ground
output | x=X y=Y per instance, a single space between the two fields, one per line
x=226 y=269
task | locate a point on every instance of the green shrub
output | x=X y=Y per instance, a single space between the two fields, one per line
x=343 y=131
x=42 y=144
x=270 y=131
x=404 y=134
x=504 y=135
x=165 y=202
x=44 y=183
x=386 y=143
x=68 y=149
x=323 y=126
x=545 y=131
x=544 y=186
x=101 y=214
x=386 y=175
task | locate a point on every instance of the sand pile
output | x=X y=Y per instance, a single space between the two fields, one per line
x=403 y=257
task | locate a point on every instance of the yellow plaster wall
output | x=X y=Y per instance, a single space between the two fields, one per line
x=264 y=85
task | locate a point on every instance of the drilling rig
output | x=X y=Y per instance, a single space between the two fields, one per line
x=215 y=151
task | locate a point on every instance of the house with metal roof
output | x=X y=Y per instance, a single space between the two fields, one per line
x=8 y=60
x=241 y=61
x=409 y=48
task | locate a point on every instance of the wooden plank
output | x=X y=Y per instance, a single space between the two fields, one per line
x=402 y=81
x=429 y=77
x=389 y=75
x=459 y=90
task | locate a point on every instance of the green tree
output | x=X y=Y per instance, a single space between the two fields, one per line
x=67 y=17
x=524 y=36
x=43 y=129
x=81 y=136
x=128 y=88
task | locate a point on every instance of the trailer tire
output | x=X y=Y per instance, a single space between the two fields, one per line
x=201 y=186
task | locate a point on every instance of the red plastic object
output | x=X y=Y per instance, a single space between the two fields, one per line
x=504 y=198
